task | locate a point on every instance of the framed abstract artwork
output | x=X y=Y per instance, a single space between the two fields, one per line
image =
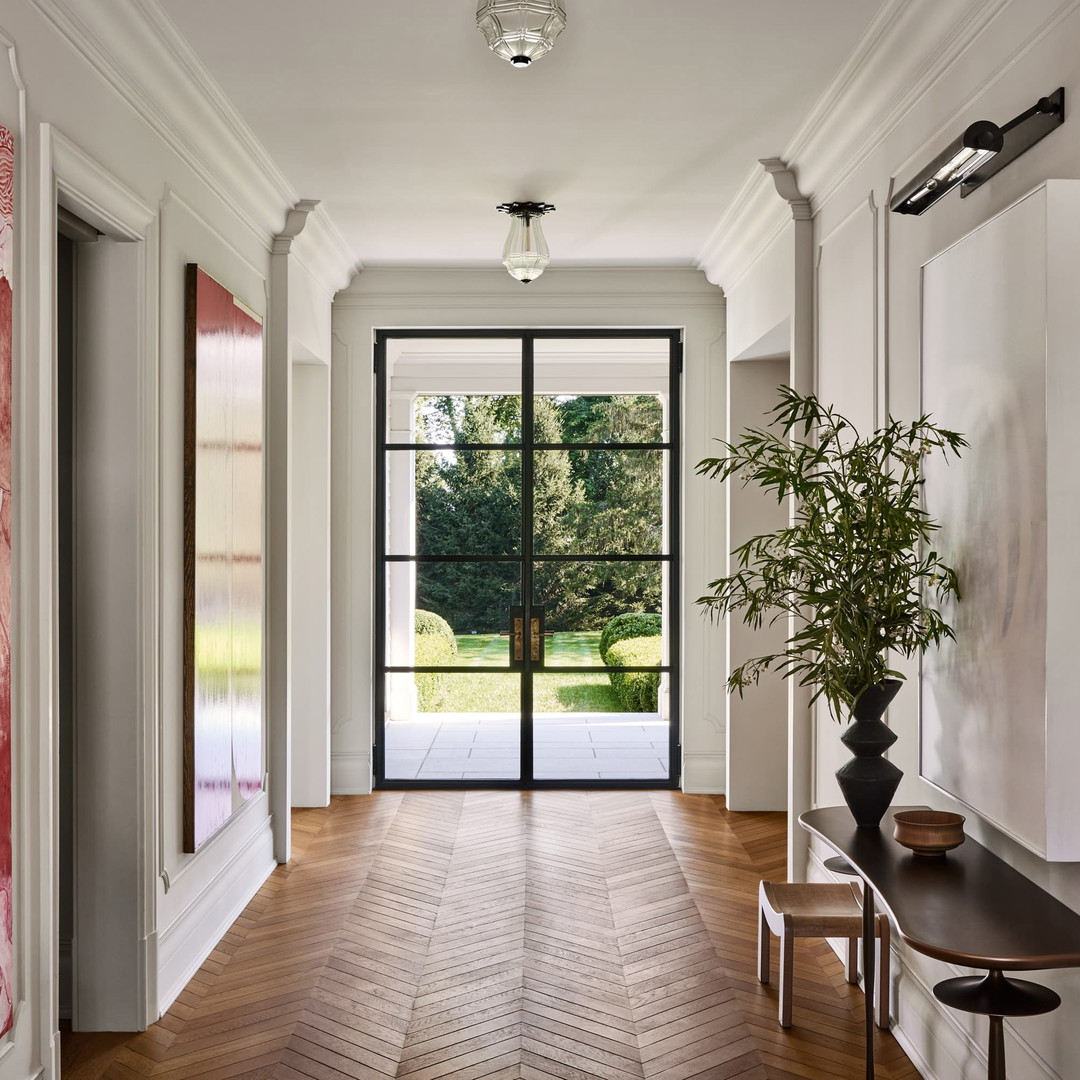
x=1000 y=322
x=7 y=260
x=223 y=555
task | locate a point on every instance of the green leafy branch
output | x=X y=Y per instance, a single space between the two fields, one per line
x=855 y=565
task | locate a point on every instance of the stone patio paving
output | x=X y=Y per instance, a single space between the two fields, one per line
x=566 y=746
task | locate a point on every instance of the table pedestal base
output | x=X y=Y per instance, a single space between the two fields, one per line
x=995 y=996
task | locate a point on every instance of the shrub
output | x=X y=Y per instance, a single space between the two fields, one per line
x=637 y=691
x=427 y=622
x=435 y=644
x=633 y=624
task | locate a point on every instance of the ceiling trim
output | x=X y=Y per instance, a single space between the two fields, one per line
x=905 y=50
x=164 y=81
x=321 y=250
x=568 y=287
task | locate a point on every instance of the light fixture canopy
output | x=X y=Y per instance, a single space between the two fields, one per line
x=520 y=31
x=983 y=150
x=525 y=253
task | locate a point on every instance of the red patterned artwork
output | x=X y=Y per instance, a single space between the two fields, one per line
x=7 y=221
x=223 y=524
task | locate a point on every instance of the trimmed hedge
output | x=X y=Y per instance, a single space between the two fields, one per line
x=637 y=691
x=427 y=622
x=633 y=624
x=435 y=644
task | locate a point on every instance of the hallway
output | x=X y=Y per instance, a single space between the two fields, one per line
x=507 y=934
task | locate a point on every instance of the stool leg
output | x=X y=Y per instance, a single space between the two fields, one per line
x=763 y=940
x=787 y=975
x=853 y=960
x=884 y=954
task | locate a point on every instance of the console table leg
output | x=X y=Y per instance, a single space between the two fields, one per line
x=996 y=1050
x=868 y=940
x=996 y=996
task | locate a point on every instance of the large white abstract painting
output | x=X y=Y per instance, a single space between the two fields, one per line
x=1001 y=310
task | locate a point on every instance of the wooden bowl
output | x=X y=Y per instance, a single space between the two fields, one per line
x=928 y=832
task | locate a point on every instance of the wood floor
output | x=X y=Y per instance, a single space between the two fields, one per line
x=503 y=934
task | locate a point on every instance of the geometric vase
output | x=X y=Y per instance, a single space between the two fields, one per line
x=868 y=780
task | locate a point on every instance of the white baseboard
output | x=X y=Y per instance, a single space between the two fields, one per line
x=350 y=772
x=188 y=941
x=704 y=773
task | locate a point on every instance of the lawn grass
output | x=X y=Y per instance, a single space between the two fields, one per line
x=499 y=691
x=580 y=648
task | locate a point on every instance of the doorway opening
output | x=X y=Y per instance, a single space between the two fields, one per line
x=527 y=601
x=103 y=984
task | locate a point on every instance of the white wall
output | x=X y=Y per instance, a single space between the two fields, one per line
x=562 y=297
x=757 y=719
x=125 y=135
x=934 y=69
x=310 y=585
x=762 y=299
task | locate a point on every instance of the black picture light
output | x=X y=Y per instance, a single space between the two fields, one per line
x=983 y=150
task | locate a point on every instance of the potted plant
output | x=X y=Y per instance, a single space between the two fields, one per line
x=854 y=567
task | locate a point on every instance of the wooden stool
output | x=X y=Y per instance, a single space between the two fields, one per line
x=818 y=909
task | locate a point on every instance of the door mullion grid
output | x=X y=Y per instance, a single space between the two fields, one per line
x=527 y=473
x=528 y=449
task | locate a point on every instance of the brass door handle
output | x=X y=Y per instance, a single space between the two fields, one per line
x=534 y=639
x=519 y=639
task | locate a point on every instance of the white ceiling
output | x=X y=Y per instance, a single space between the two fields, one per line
x=640 y=125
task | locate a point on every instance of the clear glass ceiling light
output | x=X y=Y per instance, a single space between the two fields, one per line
x=525 y=253
x=520 y=31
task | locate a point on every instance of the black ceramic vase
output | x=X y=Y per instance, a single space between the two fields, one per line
x=868 y=780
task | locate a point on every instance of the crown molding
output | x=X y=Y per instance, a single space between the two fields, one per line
x=150 y=66
x=314 y=248
x=564 y=287
x=907 y=48
x=321 y=250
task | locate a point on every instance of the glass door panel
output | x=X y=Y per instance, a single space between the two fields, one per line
x=463 y=602
x=463 y=726
x=599 y=502
x=601 y=492
x=583 y=597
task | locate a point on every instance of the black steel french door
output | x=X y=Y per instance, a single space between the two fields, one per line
x=527 y=580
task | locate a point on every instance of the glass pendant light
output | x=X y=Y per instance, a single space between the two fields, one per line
x=525 y=253
x=520 y=31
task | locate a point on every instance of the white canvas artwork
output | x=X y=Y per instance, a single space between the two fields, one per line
x=999 y=326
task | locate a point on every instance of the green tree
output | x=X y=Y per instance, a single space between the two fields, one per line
x=621 y=512
x=468 y=502
x=584 y=502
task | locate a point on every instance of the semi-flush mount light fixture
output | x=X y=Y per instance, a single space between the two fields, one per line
x=520 y=31
x=525 y=253
x=982 y=151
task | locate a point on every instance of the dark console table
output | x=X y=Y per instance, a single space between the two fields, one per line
x=967 y=907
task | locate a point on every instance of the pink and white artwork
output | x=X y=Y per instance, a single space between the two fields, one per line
x=223 y=565
x=7 y=185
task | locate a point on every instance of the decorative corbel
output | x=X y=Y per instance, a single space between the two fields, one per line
x=295 y=221
x=787 y=187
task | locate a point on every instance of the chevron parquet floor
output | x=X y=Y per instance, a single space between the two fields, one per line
x=489 y=935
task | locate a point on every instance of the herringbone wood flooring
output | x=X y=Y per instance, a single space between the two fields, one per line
x=502 y=934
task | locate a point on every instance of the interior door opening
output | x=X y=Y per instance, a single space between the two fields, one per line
x=527 y=537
